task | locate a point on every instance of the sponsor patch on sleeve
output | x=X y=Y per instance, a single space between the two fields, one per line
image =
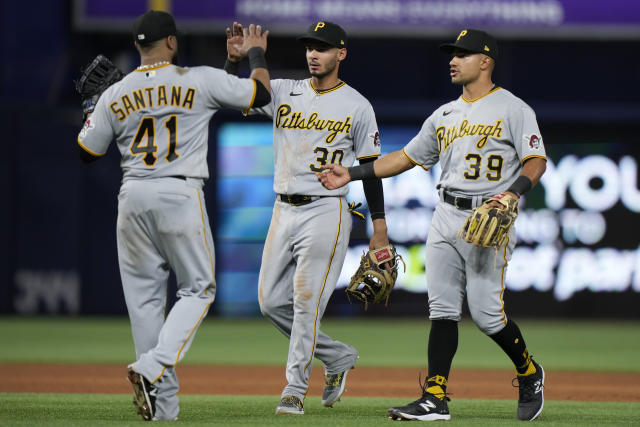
x=534 y=141
x=88 y=125
x=376 y=138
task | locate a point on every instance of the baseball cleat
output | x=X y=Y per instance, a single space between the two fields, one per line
x=427 y=408
x=334 y=385
x=144 y=395
x=290 y=405
x=531 y=398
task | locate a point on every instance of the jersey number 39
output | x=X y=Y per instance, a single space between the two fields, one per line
x=494 y=164
x=144 y=142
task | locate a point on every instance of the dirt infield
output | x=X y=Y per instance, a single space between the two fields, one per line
x=261 y=380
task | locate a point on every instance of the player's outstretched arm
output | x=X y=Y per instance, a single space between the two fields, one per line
x=336 y=176
x=254 y=46
x=235 y=40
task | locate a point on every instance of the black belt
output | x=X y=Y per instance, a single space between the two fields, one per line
x=297 y=199
x=459 y=202
x=184 y=178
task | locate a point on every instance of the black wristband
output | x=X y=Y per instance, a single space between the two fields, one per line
x=377 y=215
x=231 y=67
x=256 y=58
x=364 y=171
x=520 y=186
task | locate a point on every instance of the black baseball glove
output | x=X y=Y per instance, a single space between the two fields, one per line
x=375 y=277
x=95 y=78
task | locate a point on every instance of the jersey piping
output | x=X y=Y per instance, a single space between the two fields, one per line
x=93 y=153
x=532 y=156
x=504 y=266
x=370 y=156
x=413 y=161
x=253 y=97
x=323 y=91
x=469 y=101
x=324 y=282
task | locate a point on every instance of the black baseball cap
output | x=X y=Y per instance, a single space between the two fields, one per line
x=475 y=41
x=153 y=25
x=325 y=32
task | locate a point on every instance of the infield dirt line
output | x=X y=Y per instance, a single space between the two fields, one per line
x=362 y=381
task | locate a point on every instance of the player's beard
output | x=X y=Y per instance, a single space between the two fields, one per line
x=174 y=60
x=328 y=70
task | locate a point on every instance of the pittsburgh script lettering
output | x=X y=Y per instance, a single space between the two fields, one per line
x=286 y=118
x=447 y=135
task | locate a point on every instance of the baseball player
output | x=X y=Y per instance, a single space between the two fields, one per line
x=487 y=142
x=316 y=121
x=159 y=116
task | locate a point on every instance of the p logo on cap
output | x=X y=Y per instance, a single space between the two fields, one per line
x=318 y=26
x=462 y=34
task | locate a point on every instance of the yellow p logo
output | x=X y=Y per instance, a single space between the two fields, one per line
x=318 y=26
x=462 y=34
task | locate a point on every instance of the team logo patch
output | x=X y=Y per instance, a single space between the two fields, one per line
x=534 y=141
x=376 y=138
x=88 y=125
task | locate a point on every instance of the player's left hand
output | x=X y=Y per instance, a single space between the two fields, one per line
x=496 y=204
x=489 y=224
x=334 y=176
x=235 y=40
x=379 y=237
x=253 y=37
x=94 y=79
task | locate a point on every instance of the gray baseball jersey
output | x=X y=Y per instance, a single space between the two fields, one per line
x=312 y=128
x=159 y=117
x=306 y=244
x=481 y=145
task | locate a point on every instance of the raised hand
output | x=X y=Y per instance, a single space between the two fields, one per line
x=334 y=176
x=235 y=40
x=254 y=37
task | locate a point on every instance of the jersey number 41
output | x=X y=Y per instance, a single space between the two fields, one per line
x=146 y=133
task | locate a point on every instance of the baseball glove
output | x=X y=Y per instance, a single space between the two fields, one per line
x=95 y=78
x=489 y=226
x=375 y=277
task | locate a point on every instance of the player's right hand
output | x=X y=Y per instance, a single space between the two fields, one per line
x=235 y=40
x=254 y=37
x=334 y=176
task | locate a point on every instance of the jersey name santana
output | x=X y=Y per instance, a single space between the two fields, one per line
x=160 y=118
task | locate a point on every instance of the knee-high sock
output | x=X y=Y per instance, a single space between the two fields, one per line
x=512 y=343
x=443 y=344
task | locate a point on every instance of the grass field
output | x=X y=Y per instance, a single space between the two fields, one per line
x=111 y=410
x=563 y=345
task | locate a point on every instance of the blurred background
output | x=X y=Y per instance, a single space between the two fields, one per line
x=575 y=62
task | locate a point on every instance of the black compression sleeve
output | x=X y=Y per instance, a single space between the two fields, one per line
x=256 y=58
x=374 y=193
x=364 y=171
x=85 y=156
x=520 y=186
x=231 y=67
x=262 y=95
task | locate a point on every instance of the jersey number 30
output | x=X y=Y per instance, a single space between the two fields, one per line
x=146 y=133
x=323 y=156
